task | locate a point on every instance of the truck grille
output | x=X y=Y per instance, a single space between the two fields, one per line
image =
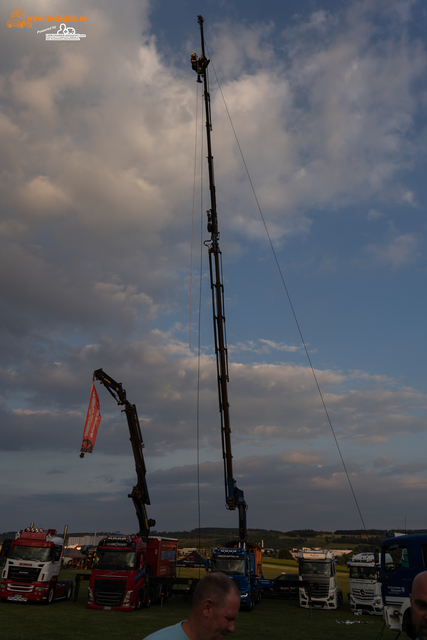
x=20 y=587
x=363 y=594
x=318 y=591
x=109 y=593
x=26 y=574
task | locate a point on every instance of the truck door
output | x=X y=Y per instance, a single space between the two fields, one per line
x=400 y=568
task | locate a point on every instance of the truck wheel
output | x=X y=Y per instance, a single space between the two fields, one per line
x=138 y=601
x=407 y=626
x=251 y=603
x=69 y=592
x=50 y=594
x=147 y=601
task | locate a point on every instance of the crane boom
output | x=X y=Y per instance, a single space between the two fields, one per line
x=234 y=497
x=139 y=493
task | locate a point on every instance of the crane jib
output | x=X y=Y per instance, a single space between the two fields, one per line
x=233 y=496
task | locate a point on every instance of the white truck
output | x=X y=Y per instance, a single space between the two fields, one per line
x=365 y=589
x=317 y=570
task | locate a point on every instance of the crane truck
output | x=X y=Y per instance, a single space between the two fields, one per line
x=32 y=568
x=131 y=571
x=237 y=560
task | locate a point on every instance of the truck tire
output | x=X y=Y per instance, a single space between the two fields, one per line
x=138 y=601
x=251 y=604
x=50 y=594
x=69 y=591
x=147 y=599
x=407 y=626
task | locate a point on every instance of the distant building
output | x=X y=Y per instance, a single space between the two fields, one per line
x=84 y=541
x=337 y=552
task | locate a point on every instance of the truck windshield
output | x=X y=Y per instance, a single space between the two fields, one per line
x=34 y=554
x=114 y=559
x=396 y=557
x=315 y=568
x=363 y=573
x=230 y=566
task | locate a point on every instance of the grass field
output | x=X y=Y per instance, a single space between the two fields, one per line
x=270 y=620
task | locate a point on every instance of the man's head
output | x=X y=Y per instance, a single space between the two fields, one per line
x=419 y=605
x=216 y=604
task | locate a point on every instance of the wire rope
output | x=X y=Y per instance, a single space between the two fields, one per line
x=199 y=327
x=192 y=211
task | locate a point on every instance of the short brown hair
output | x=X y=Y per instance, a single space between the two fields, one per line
x=216 y=586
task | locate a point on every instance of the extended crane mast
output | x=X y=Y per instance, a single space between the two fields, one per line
x=139 y=493
x=234 y=497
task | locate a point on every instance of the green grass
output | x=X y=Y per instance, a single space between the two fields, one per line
x=270 y=620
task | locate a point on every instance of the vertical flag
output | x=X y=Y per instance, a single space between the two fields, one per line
x=93 y=419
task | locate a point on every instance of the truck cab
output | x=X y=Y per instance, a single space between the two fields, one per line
x=118 y=574
x=32 y=568
x=317 y=568
x=365 y=588
x=402 y=558
x=243 y=565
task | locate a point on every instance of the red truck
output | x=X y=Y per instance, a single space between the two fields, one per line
x=33 y=564
x=129 y=572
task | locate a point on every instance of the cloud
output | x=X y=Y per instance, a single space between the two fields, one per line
x=396 y=250
x=271 y=404
x=327 y=106
x=373 y=214
x=383 y=461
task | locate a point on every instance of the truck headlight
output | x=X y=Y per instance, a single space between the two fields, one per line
x=127 y=597
x=90 y=595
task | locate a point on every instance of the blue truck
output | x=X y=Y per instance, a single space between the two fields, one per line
x=402 y=558
x=243 y=565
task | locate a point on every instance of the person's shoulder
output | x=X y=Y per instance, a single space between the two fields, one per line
x=173 y=632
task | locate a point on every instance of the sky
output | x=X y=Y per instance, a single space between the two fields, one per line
x=319 y=131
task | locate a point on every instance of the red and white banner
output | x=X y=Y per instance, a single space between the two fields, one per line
x=93 y=419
